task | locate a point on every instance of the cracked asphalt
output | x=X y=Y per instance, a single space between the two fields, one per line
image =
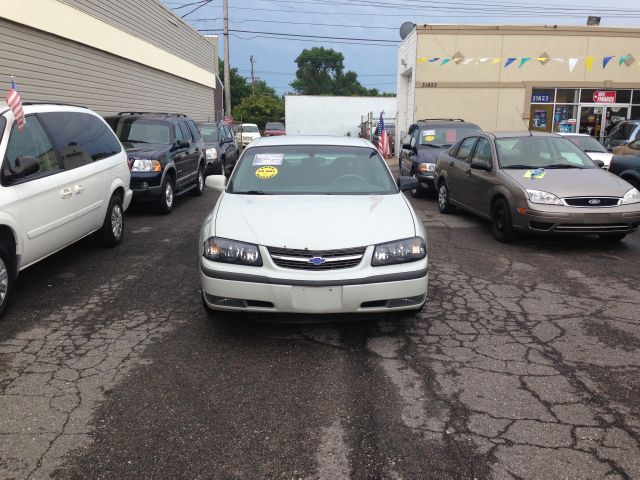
x=524 y=364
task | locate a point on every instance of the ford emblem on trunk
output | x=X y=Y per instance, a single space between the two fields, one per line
x=594 y=201
x=317 y=260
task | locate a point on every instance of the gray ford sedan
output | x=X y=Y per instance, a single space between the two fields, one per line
x=535 y=182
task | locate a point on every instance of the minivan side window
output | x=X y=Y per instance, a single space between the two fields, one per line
x=80 y=138
x=33 y=141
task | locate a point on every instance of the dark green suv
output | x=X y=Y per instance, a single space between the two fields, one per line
x=166 y=156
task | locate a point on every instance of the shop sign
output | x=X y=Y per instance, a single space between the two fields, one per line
x=604 y=96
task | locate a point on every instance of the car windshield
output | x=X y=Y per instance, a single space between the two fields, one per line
x=250 y=128
x=209 y=133
x=311 y=170
x=274 y=126
x=541 y=152
x=137 y=130
x=622 y=131
x=588 y=144
x=445 y=136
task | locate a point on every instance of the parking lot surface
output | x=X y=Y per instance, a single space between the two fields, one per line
x=524 y=363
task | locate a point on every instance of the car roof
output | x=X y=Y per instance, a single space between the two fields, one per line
x=444 y=122
x=252 y=124
x=573 y=134
x=521 y=134
x=334 y=140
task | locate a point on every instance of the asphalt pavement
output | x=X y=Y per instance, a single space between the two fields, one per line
x=524 y=363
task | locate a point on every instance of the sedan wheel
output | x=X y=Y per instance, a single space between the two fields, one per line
x=501 y=222
x=443 y=199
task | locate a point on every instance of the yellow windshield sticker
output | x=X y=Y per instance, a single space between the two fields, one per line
x=264 y=173
x=429 y=135
x=537 y=173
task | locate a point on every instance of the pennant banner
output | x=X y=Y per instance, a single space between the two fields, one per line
x=509 y=62
x=572 y=64
x=623 y=60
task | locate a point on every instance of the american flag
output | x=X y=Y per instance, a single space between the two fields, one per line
x=383 y=140
x=227 y=120
x=15 y=103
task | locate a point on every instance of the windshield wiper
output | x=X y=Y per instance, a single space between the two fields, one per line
x=518 y=166
x=135 y=141
x=562 y=165
x=252 y=192
x=595 y=151
x=431 y=145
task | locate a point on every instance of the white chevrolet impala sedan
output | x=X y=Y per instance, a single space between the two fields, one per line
x=312 y=225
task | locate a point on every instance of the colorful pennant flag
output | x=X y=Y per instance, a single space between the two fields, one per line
x=496 y=60
x=435 y=59
x=605 y=61
x=509 y=61
x=445 y=61
x=572 y=63
x=623 y=59
x=589 y=63
x=523 y=60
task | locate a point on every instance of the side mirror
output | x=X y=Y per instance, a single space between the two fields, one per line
x=600 y=163
x=217 y=182
x=181 y=144
x=406 y=142
x=481 y=165
x=407 y=183
x=25 y=166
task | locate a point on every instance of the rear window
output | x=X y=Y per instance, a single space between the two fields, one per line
x=142 y=130
x=441 y=136
x=274 y=126
x=588 y=144
x=250 y=128
x=76 y=133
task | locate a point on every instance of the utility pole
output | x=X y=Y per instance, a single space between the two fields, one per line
x=253 y=77
x=227 y=79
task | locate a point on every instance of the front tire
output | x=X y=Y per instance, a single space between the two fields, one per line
x=443 y=199
x=7 y=278
x=112 y=230
x=196 y=192
x=501 y=222
x=167 y=195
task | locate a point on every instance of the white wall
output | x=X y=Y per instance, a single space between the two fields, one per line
x=323 y=115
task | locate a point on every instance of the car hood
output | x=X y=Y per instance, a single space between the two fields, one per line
x=429 y=154
x=604 y=156
x=316 y=222
x=145 y=150
x=573 y=183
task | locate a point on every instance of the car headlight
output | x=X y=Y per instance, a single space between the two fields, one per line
x=632 y=196
x=546 y=198
x=211 y=153
x=146 y=166
x=426 y=167
x=231 y=251
x=399 y=251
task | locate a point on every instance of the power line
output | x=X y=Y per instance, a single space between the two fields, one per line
x=309 y=40
x=316 y=36
x=206 y=2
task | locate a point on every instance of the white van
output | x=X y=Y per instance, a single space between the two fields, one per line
x=63 y=177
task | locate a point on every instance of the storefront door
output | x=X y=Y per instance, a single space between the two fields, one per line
x=597 y=120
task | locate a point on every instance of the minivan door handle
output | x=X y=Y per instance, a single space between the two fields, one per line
x=79 y=188
x=66 y=193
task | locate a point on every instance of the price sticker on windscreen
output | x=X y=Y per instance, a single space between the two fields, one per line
x=267 y=159
x=429 y=135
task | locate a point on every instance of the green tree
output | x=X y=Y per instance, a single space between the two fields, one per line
x=259 y=109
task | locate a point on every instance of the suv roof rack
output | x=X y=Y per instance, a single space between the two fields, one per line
x=55 y=103
x=442 y=119
x=152 y=113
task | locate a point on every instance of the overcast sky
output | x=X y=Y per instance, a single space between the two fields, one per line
x=369 y=21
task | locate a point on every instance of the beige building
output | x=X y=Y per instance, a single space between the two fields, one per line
x=549 y=78
x=110 y=56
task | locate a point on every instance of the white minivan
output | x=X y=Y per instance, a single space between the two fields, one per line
x=64 y=176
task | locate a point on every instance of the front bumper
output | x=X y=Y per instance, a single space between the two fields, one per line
x=624 y=219
x=229 y=290
x=146 y=185
x=426 y=181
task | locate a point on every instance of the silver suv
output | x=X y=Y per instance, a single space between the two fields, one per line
x=63 y=177
x=623 y=133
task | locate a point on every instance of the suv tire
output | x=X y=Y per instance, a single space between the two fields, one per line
x=167 y=195
x=443 y=199
x=196 y=192
x=7 y=278
x=418 y=192
x=501 y=223
x=216 y=168
x=112 y=230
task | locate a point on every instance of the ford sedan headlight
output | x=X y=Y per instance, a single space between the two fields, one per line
x=632 y=196
x=400 y=251
x=211 y=153
x=231 y=251
x=545 y=198
x=146 y=166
